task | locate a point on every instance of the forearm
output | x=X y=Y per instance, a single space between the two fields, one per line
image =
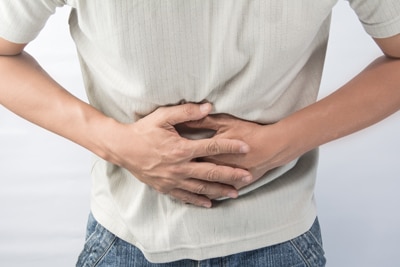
x=370 y=97
x=150 y=148
x=27 y=90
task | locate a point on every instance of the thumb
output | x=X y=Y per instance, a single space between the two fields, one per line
x=185 y=113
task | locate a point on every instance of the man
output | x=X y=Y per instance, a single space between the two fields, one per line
x=157 y=71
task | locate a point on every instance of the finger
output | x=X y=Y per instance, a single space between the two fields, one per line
x=191 y=198
x=225 y=160
x=183 y=113
x=210 y=189
x=210 y=172
x=208 y=122
x=217 y=146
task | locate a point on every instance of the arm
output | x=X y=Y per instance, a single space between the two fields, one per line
x=367 y=99
x=151 y=148
x=370 y=97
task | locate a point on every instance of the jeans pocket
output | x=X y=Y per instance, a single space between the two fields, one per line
x=98 y=243
x=309 y=247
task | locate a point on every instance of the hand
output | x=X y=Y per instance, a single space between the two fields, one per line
x=268 y=146
x=157 y=155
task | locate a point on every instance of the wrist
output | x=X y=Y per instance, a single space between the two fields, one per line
x=109 y=141
x=294 y=140
x=99 y=136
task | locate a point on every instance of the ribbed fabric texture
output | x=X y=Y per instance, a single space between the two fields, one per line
x=380 y=18
x=258 y=60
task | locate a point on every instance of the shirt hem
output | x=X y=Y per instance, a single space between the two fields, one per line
x=109 y=220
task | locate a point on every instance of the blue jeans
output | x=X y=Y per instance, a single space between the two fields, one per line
x=104 y=249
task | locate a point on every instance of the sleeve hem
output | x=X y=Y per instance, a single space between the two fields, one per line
x=383 y=30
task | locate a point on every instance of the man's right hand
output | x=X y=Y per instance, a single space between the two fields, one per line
x=151 y=149
x=154 y=152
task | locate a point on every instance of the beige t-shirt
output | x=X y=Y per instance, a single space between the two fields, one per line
x=259 y=60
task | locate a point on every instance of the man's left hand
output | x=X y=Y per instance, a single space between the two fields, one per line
x=268 y=146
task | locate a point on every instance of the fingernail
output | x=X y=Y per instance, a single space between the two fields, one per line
x=244 y=149
x=246 y=179
x=207 y=204
x=232 y=195
x=205 y=108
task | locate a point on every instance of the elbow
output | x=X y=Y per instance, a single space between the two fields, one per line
x=390 y=46
x=10 y=49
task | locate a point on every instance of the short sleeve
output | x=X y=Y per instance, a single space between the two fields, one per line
x=380 y=18
x=22 y=20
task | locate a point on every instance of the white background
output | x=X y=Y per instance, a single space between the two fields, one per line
x=45 y=184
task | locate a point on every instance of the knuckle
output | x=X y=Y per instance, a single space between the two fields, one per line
x=213 y=147
x=175 y=171
x=236 y=176
x=212 y=175
x=230 y=148
x=187 y=109
x=179 y=152
x=185 y=198
x=188 y=197
x=201 y=189
x=164 y=187
x=182 y=196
